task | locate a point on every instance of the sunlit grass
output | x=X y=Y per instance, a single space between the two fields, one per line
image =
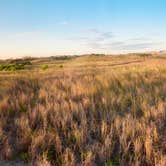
x=70 y=115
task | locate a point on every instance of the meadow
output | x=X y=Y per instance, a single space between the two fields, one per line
x=91 y=110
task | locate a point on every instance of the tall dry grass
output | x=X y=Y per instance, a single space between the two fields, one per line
x=115 y=117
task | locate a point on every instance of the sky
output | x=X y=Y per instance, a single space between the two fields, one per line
x=69 y=27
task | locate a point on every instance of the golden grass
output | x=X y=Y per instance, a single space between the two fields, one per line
x=102 y=115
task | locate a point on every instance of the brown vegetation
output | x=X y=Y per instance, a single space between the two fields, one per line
x=98 y=115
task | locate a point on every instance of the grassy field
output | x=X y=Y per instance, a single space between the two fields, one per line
x=91 y=110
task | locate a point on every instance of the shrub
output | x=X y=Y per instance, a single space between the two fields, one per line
x=44 y=67
x=60 y=66
x=12 y=67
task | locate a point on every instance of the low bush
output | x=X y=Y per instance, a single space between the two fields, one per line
x=12 y=67
x=44 y=67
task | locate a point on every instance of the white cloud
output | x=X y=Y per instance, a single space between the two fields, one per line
x=64 y=23
x=37 y=43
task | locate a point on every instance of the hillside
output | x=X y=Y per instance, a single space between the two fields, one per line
x=83 y=110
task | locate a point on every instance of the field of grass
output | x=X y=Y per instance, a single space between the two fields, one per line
x=91 y=110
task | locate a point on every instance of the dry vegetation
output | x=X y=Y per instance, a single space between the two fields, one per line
x=90 y=110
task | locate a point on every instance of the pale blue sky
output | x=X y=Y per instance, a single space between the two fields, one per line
x=57 y=27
